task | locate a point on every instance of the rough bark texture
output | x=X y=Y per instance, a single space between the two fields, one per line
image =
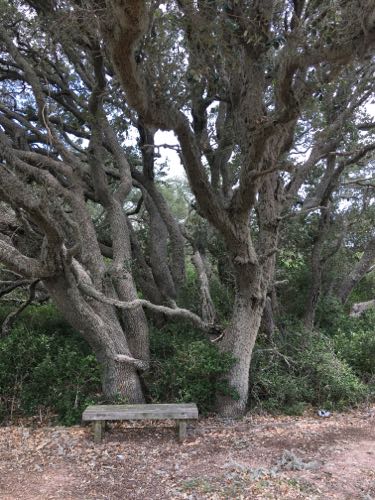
x=208 y=309
x=268 y=324
x=103 y=332
x=360 y=307
x=364 y=265
x=239 y=340
x=121 y=381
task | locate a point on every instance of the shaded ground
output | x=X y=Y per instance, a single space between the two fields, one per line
x=258 y=457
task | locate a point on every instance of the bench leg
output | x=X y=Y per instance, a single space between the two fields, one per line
x=98 y=427
x=182 y=430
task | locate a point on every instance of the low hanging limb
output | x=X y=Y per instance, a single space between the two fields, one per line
x=175 y=312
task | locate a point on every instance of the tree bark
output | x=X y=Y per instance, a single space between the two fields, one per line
x=99 y=325
x=360 y=307
x=208 y=308
x=268 y=325
x=316 y=272
x=158 y=251
x=253 y=276
x=239 y=340
x=120 y=380
x=358 y=272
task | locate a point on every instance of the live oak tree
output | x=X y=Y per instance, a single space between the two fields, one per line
x=261 y=64
x=239 y=83
x=64 y=180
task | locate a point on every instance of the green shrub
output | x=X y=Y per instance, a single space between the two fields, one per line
x=189 y=293
x=186 y=368
x=46 y=366
x=355 y=342
x=335 y=382
x=46 y=370
x=330 y=313
x=301 y=369
x=45 y=318
x=223 y=299
x=353 y=337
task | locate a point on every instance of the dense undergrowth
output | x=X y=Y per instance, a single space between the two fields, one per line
x=297 y=370
x=47 y=369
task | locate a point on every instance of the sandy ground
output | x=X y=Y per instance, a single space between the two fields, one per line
x=257 y=457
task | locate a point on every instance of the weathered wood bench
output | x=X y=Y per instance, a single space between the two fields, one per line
x=99 y=414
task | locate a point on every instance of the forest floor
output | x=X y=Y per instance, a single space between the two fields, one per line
x=257 y=457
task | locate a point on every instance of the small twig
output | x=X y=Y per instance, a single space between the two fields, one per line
x=287 y=360
x=281 y=282
x=219 y=337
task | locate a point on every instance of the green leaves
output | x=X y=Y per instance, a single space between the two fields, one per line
x=290 y=259
x=186 y=368
x=302 y=369
x=46 y=370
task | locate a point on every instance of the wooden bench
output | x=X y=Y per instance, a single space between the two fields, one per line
x=99 y=414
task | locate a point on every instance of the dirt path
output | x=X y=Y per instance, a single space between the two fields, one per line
x=258 y=457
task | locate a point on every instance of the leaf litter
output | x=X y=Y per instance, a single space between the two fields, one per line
x=260 y=456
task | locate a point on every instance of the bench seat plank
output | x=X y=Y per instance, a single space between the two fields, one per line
x=183 y=411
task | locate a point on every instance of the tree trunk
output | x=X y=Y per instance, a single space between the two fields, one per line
x=253 y=276
x=120 y=381
x=268 y=325
x=239 y=340
x=208 y=309
x=316 y=283
x=99 y=326
x=358 y=272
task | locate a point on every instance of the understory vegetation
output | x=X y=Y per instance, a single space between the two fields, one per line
x=47 y=371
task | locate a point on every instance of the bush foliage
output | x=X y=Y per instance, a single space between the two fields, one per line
x=299 y=369
x=45 y=367
x=186 y=368
x=355 y=342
